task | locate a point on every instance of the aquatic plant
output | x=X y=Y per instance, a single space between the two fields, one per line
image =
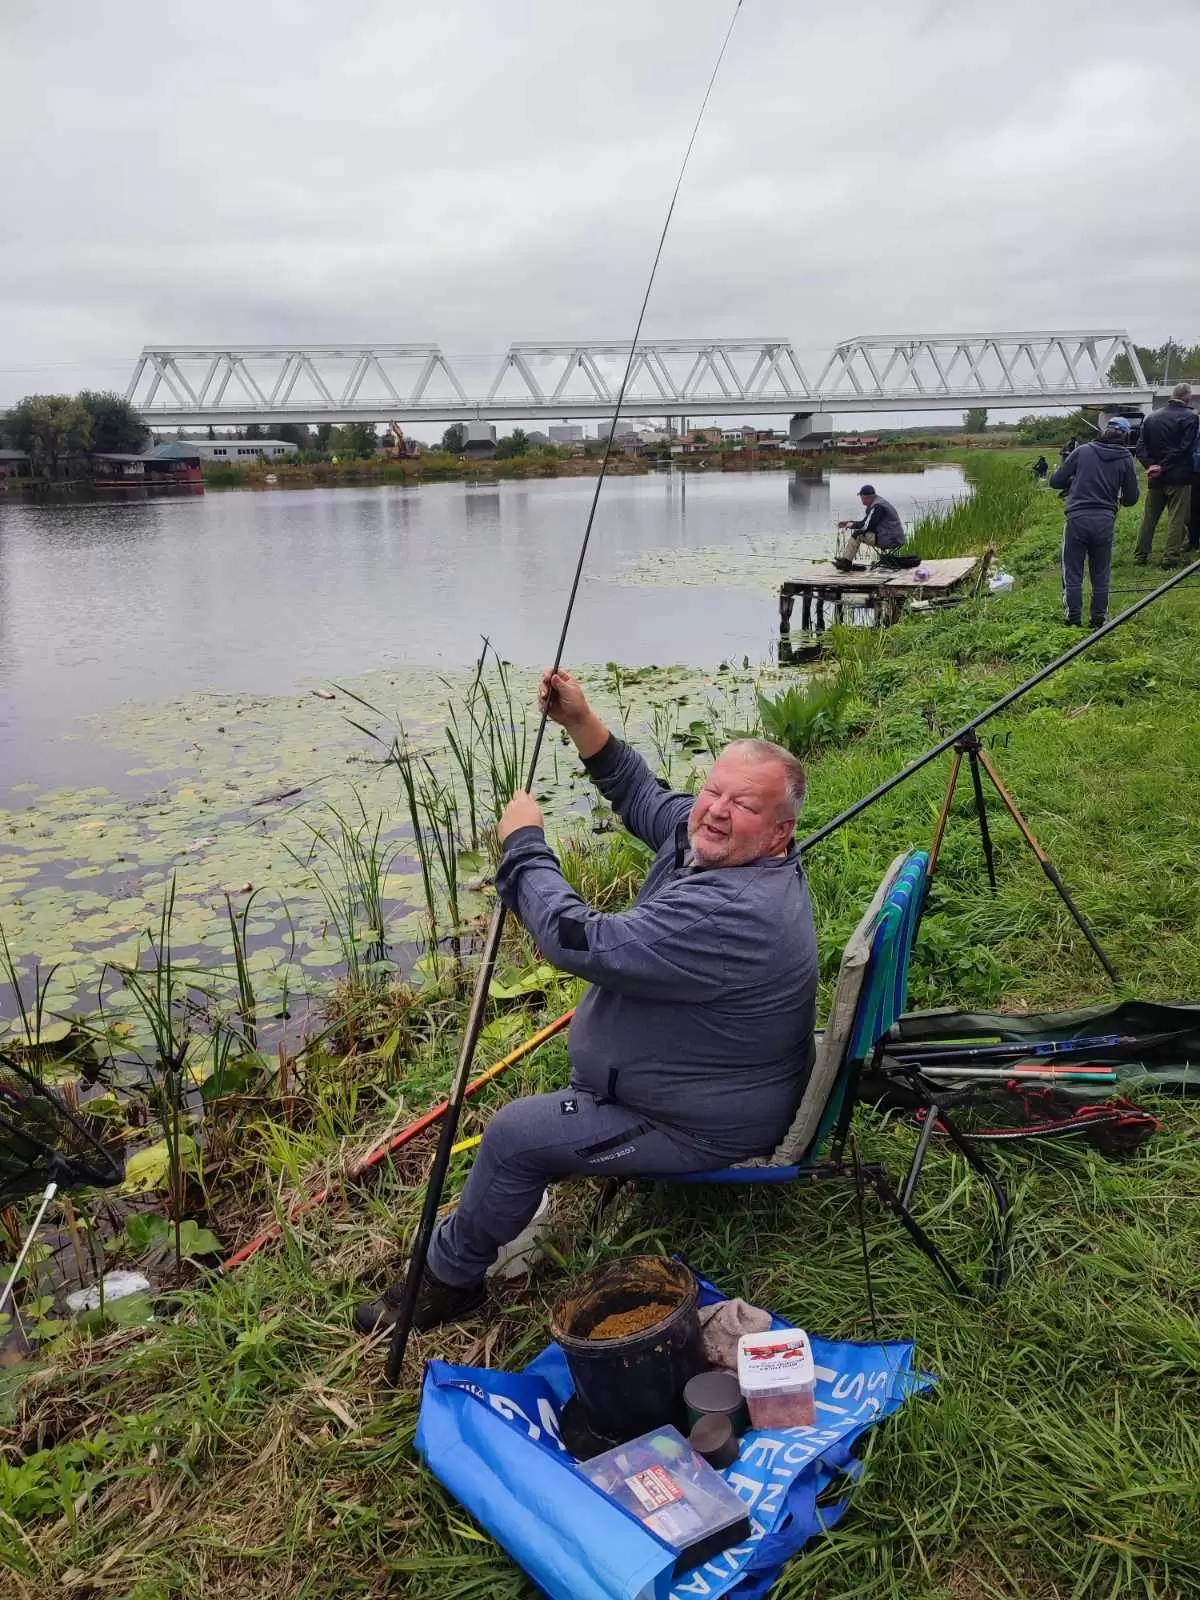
x=807 y=716
x=355 y=894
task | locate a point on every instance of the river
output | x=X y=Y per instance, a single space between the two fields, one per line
x=166 y=710
x=262 y=592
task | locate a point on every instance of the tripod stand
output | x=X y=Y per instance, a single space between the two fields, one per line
x=968 y=745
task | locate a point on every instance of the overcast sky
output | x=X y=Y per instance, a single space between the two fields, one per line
x=476 y=173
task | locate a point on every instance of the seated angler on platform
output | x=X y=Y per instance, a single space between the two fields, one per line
x=693 y=1043
x=879 y=526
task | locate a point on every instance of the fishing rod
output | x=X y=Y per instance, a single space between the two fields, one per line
x=995 y=709
x=441 y=1161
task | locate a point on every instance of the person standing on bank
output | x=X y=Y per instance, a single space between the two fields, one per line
x=1098 y=479
x=1166 y=448
x=879 y=526
x=692 y=1044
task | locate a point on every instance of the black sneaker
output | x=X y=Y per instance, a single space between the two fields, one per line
x=1073 y=622
x=842 y=564
x=436 y=1303
x=1169 y=566
x=1141 y=561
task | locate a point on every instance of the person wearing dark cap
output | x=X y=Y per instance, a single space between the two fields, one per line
x=879 y=526
x=1097 y=478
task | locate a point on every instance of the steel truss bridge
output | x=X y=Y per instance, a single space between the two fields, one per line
x=411 y=383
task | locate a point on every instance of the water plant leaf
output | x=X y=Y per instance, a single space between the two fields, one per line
x=148 y=1169
x=511 y=985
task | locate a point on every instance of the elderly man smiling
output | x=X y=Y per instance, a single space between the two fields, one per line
x=693 y=1043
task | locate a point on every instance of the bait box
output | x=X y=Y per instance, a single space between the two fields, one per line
x=659 y=1479
x=778 y=1378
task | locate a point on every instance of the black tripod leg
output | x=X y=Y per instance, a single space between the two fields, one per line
x=1050 y=870
x=981 y=808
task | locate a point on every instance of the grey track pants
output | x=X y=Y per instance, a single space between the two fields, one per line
x=527 y=1143
x=1090 y=541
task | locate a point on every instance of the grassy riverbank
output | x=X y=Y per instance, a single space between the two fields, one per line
x=243 y=1446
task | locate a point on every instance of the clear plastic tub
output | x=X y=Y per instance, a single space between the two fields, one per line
x=777 y=1376
x=660 y=1480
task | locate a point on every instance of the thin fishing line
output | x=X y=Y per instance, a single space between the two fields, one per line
x=608 y=447
x=436 y=1181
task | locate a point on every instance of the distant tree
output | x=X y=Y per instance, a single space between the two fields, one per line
x=1165 y=363
x=1056 y=430
x=297 y=433
x=355 y=439
x=49 y=427
x=212 y=432
x=454 y=438
x=324 y=434
x=116 y=425
x=253 y=431
x=515 y=443
x=975 y=419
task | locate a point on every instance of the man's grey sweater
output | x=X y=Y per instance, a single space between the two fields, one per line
x=702 y=1002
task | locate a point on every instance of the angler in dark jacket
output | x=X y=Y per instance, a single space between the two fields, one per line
x=1166 y=447
x=692 y=1045
x=879 y=525
x=1098 y=478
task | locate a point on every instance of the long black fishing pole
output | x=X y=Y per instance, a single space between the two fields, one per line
x=994 y=710
x=487 y=967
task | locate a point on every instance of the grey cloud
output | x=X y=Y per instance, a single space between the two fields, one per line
x=476 y=174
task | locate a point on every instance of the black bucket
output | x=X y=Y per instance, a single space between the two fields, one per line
x=630 y=1382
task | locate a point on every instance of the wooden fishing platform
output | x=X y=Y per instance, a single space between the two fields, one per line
x=882 y=590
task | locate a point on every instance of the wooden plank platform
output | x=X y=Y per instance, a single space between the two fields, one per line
x=883 y=590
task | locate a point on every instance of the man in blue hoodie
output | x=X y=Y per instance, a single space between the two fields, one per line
x=692 y=1044
x=1098 y=477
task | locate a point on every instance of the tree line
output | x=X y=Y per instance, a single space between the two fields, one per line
x=51 y=428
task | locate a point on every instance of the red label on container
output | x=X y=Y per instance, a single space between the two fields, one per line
x=654 y=1488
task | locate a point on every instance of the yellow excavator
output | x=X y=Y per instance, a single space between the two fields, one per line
x=400 y=445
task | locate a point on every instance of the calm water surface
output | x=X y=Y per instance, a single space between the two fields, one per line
x=266 y=591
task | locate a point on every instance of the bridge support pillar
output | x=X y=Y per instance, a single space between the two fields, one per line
x=806 y=423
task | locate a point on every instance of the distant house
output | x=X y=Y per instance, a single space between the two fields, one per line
x=116 y=469
x=175 y=462
x=14 y=464
x=174 y=465
x=233 y=451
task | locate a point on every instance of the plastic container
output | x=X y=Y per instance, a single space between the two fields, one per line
x=660 y=1480
x=631 y=1337
x=1000 y=583
x=777 y=1376
x=716 y=1394
x=712 y=1438
x=517 y=1258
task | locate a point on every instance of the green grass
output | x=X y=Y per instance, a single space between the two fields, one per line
x=246 y=1447
x=995 y=514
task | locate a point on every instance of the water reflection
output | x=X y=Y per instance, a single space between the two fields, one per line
x=265 y=591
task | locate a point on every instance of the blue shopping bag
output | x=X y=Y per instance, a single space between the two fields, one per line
x=492 y=1438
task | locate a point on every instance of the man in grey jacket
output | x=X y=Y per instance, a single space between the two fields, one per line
x=1097 y=478
x=879 y=526
x=692 y=1045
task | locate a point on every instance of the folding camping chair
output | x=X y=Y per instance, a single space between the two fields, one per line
x=871 y=991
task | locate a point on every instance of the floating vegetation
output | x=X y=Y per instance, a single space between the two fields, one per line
x=235 y=800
